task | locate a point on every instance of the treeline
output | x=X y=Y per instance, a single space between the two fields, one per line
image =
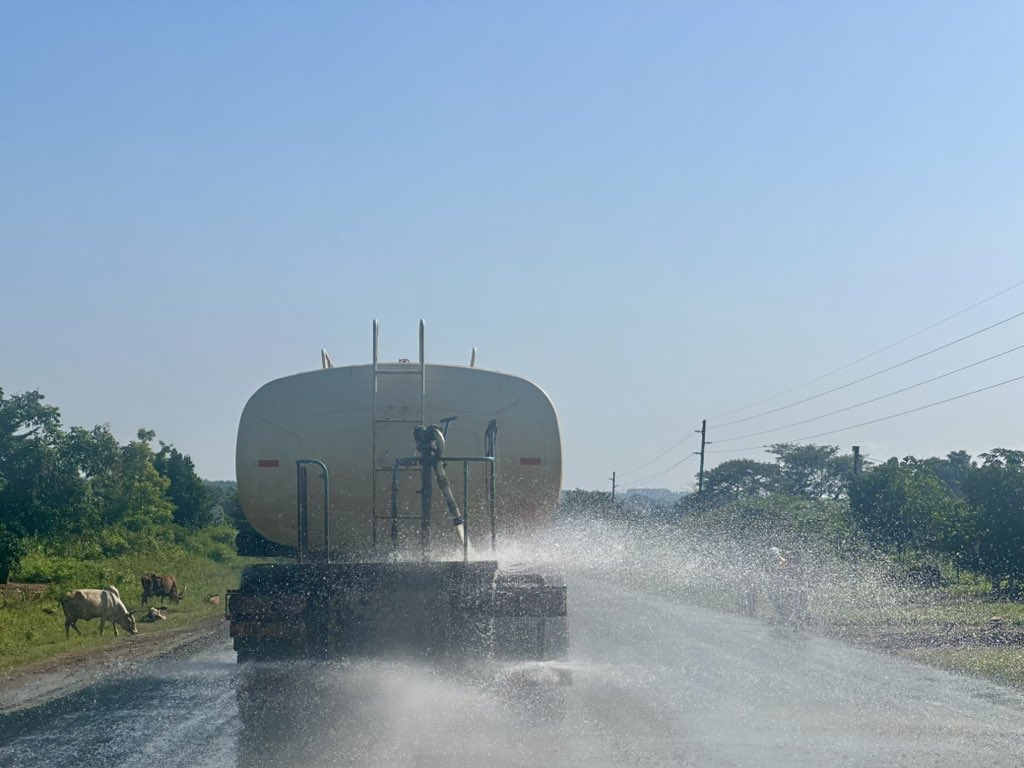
x=81 y=489
x=960 y=510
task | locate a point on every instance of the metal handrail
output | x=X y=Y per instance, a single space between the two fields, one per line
x=491 y=449
x=302 y=508
x=425 y=518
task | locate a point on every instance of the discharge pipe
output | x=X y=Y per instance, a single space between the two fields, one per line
x=430 y=447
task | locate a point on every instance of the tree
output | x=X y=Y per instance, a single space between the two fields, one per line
x=224 y=504
x=995 y=492
x=12 y=549
x=21 y=416
x=187 y=491
x=133 y=493
x=812 y=471
x=1006 y=458
x=951 y=470
x=739 y=478
x=95 y=451
x=902 y=505
x=41 y=487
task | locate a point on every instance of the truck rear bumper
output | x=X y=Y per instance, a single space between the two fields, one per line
x=401 y=608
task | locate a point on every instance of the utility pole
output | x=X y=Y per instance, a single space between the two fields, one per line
x=703 y=442
x=612 y=478
x=858 y=461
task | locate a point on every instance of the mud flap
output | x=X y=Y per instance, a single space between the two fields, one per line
x=529 y=616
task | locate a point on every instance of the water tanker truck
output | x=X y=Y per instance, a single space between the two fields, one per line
x=393 y=484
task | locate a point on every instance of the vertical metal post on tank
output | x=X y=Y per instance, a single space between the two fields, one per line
x=491 y=450
x=465 y=511
x=373 y=433
x=494 y=510
x=302 y=506
x=426 y=496
x=394 y=509
x=423 y=372
x=427 y=482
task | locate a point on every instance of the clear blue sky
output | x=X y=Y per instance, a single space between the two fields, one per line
x=659 y=212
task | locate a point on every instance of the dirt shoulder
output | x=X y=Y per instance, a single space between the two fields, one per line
x=990 y=648
x=897 y=640
x=38 y=682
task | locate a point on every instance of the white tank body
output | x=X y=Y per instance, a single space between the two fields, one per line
x=328 y=416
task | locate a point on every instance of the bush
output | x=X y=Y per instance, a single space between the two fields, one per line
x=38 y=567
x=114 y=542
x=12 y=549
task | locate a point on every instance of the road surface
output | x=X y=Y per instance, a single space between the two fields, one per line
x=655 y=682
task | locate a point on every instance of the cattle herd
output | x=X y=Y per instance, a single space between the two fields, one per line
x=106 y=604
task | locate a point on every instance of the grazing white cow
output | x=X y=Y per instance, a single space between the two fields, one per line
x=104 y=604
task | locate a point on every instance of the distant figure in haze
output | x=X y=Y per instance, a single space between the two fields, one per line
x=788 y=587
x=750 y=586
x=799 y=588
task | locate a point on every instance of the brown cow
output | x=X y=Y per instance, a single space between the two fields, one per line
x=88 y=604
x=155 y=585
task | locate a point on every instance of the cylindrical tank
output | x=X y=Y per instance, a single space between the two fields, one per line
x=358 y=422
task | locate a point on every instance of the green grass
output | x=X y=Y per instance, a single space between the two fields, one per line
x=1001 y=664
x=34 y=629
x=944 y=610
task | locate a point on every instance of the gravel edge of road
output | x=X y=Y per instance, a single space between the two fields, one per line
x=36 y=683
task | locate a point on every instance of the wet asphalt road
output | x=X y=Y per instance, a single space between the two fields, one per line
x=655 y=683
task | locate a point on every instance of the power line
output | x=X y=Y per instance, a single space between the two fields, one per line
x=867 y=402
x=829 y=373
x=882 y=418
x=871 y=375
x=913 y=410
x=656 y=475
x=741 y=450
x=871 y=354
x=663 y=453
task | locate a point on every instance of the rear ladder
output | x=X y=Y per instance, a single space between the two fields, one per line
x=392 y=425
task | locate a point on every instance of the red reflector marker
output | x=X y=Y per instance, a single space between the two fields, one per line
x=530 y=462
x=267 y=463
